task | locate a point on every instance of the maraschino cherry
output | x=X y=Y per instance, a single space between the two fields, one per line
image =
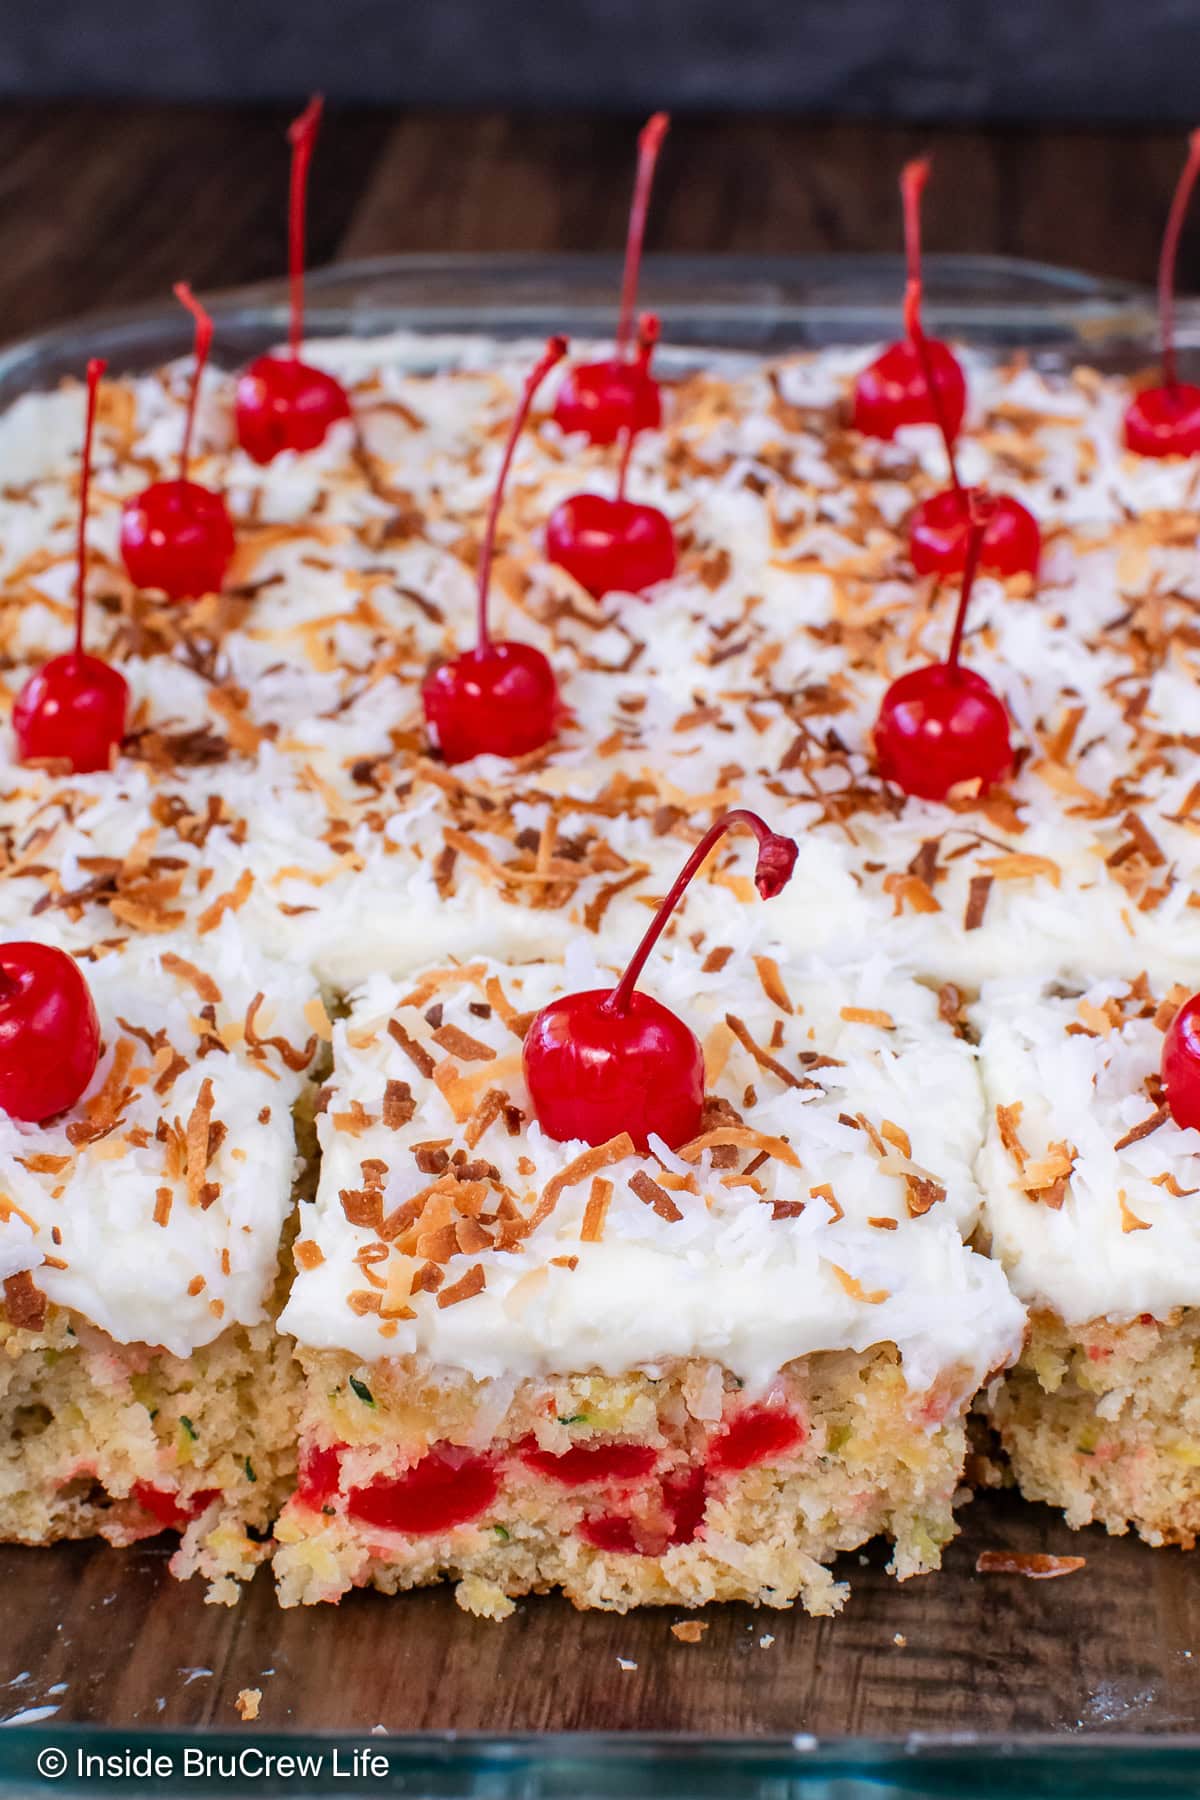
x=49 y=1032
x=501 y=698
x=1165 y=421
x=282 y=403
x=1181 y=1064
x=1012 y=543
x=893 y=390
x=943 y=724
x=176 y=535
x=605 y=399
x=614 y=545
x=614 y=1060
x=73 y=709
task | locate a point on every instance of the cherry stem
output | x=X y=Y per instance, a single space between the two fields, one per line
x=302 y=136
x=650 y=140
x=1167 y=259
x=556 y=349
x=913 y=177
x=203 y=339
x=95 y=370
x=648 y=331
x=620 y=997
x=977 y=524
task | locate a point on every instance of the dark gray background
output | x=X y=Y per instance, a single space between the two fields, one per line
x=1112 y=60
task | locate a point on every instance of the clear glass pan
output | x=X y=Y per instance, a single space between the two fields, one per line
x=705 y=303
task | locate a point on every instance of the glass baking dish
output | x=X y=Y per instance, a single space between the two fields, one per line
x=950 y=1686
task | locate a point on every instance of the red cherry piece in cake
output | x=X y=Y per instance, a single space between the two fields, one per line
x=171 y=1511
x=501 y=698
x=894 y=390
x=591 y=1465
x=320 y=1475
x=938 y=531
x=613 y=1060
x=607 y=399
x=176 y=536
x=49 y=1031
x=446 y=1488
x=280 y=402
x=1181 y=1064
x=1165 y=420
x=943 y=725
x=614 y=544
x=759 y=1434
x=683 y=1497
x=73 y=709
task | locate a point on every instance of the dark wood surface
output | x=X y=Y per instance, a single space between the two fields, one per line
x=103 y=207
x=1114 y=1647
x=108 y=205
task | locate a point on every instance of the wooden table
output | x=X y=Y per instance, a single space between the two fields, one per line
x=108 y=205
x=112 y=206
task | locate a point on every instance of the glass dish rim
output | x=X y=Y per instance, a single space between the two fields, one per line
x=730 y=296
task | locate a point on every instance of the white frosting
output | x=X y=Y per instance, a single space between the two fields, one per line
x=84 y=1222
x=1125 y=1238
x=727 y=1279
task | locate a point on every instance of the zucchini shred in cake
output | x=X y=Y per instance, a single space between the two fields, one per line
x=671 y=1376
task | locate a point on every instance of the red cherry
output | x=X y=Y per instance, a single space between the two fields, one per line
x=1165 y=421
x=320 y=1474
x=501 y=698
x=1012 y=543
x=73 y=709
x=894 y=390
x=282 y=403
x=446 y=1488
x=585 y=1465
x=1181 y=1064
x=176 y=535
x=49 y=1031
x=614 y=545
x=684 y=1496
x=942 y=725
x=613 y=1060
x=938 y=531
x=166 y=1506
x=760 y=1434
x=604 y=399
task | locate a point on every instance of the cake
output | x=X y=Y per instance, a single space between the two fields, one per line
x=640 y=1377
x=142 y=1382
x=1089 y=1189
x=279 y=820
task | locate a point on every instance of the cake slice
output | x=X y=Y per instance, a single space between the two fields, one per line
x=143 y=1384
x=1090 y=1204
x=649 y=1375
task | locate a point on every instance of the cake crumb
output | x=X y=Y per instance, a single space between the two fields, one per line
x=623 y=1662
x=1034 y=1564
x=689 y=1631
x=900 y=1641
x=248 y=1703
x=483 y=1598
x=765 y=1641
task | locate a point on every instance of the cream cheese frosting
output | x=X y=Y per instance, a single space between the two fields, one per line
x=826 y=1209
x=1090 y=1187
x=154 y=1208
